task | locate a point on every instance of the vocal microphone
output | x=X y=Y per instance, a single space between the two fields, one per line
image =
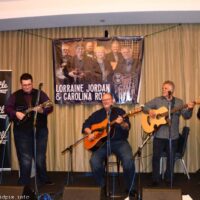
x=106 y=34
x=169 y=93
x=40 y=86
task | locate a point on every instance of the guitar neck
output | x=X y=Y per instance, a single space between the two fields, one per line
x=128 y=114
x=29 y=110
x=32 y=108
x=43 y=105
x=175 y=110
x=179 y=108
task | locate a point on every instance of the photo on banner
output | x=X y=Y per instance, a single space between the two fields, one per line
x=5 y=143
x=86 y=68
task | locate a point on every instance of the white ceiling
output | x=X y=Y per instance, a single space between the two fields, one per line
x=28 y=14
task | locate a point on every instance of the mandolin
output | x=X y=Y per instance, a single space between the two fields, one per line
x=45 y=104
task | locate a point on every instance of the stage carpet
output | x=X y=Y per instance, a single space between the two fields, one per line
x=63 y=180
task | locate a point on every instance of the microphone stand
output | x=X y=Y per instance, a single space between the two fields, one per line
x=170 y=143
x=35 y=141
x=108 y=194
x=70 y=150
x=138 y=153
x=70 y=172
x=108 y=152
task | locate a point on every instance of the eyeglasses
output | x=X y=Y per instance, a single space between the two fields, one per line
x=26 y=85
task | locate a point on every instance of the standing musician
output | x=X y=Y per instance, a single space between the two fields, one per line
x=118 y=143
x=161 y=134
x=19 y=101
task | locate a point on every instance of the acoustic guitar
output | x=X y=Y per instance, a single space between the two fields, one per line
x=45 y=104
x=100 y=130
x=150 y=124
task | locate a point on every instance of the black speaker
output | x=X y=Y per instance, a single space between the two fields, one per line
x=11 y=191
x=16 y=192
x=161 y=194
x=81 y=193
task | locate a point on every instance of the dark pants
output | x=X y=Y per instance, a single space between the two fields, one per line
x=159 y=146
x=24 y=142
x=123 y=151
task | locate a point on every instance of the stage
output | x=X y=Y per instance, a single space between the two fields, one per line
x=65 y=181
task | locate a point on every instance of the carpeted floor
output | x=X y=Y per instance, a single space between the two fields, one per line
x=64 y=180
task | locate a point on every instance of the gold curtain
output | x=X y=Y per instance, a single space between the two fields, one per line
x=171 y=52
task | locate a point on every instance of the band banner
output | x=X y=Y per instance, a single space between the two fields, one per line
x=85 y=68
x=5 y=143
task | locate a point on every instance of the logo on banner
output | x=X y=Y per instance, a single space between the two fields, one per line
x=2 y=112
x=3 y=138
x=124 y=87
x=5 y=91
x=3 y=87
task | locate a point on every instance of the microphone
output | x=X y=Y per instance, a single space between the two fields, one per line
x=40 y=86
x=106 y=34
x=169 y=93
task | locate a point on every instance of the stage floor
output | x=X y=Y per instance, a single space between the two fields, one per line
x=64 y=179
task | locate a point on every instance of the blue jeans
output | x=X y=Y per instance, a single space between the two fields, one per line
x=160 y=145
x=123 y=151
x=24 y=142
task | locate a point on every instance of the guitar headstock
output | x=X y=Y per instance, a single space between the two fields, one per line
x=197 y=101
x=135 y=111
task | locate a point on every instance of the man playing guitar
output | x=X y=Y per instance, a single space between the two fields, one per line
x=162 y=131
x=116 y=142
x=25 y=99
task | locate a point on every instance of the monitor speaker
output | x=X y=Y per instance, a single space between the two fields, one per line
x=16 y=192
x=11 y=191
x=161 y=194
x=83 y=193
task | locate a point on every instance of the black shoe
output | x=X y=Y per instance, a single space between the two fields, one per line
x=28 y=192
x=103 y=191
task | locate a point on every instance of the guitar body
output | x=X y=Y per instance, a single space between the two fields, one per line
x=151 y=124
x=99 y=135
